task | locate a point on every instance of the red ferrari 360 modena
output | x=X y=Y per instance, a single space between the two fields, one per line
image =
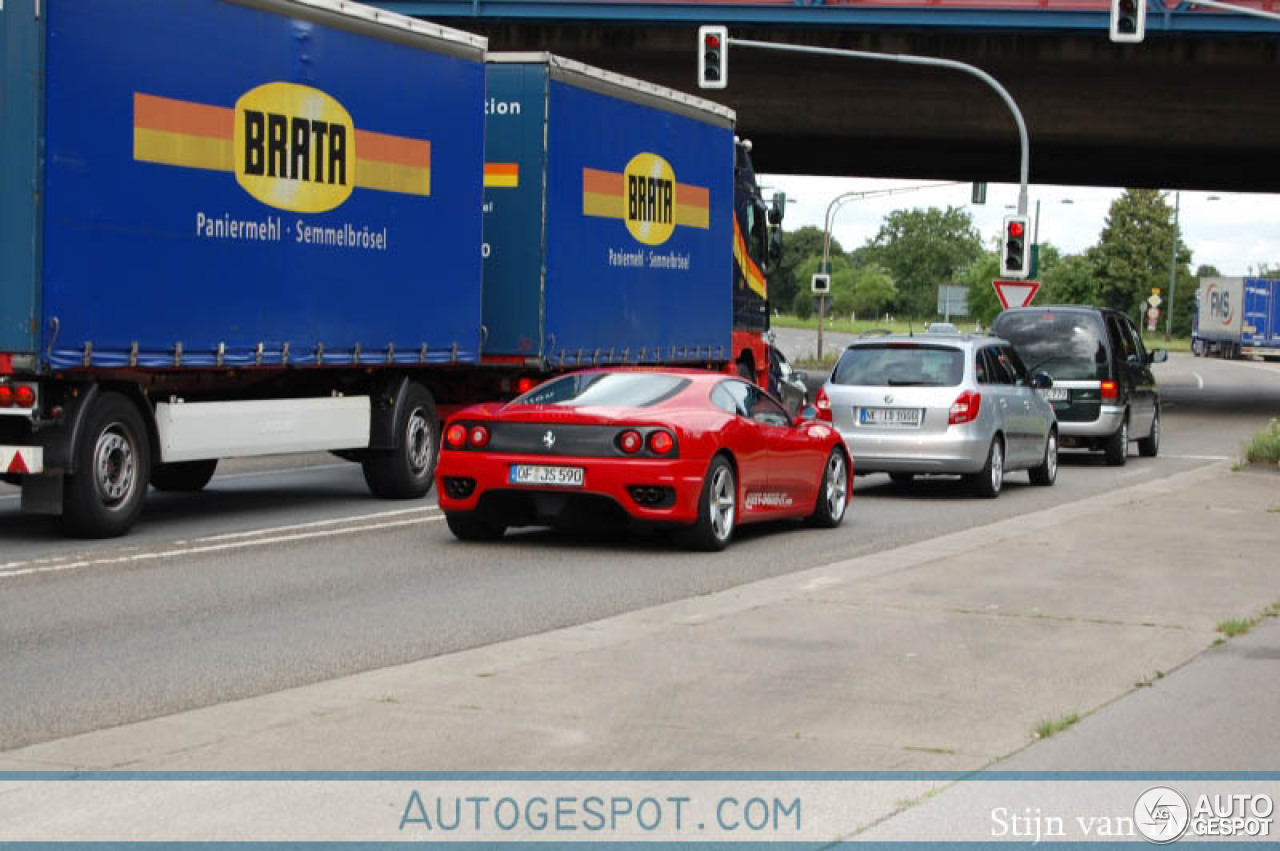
x=698 y=450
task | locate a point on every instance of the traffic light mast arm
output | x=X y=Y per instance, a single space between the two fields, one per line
x=930 y=61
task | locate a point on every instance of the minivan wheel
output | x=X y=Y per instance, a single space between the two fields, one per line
x=1117 y=446
x=991 y=479
x=1149 y=446
x=1047 y=471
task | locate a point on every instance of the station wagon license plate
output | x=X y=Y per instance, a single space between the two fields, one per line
x=539 y=474
x=907 y=417
x=1056 y=394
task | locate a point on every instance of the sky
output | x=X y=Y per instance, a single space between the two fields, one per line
x=1229 y=230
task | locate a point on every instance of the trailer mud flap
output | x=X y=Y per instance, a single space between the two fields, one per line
x=42 y=494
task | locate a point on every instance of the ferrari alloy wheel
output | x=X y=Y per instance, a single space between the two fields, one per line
x=717 y=508
x=833 y=494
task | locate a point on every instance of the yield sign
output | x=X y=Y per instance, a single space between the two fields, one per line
x=1015 y=293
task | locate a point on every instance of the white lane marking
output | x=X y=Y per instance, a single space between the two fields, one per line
x=1199 y=380
x=269 y=530
x=15 y=569
x=1200 y=457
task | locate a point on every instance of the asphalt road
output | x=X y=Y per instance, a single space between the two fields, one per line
x=277 y=577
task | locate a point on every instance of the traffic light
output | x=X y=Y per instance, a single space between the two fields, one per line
x=1128 y=20
x=1013 y=256
x=713 y=57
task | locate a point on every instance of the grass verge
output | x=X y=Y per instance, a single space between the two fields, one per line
x=1264 y=447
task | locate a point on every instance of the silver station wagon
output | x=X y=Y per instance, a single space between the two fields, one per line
x=929 y=403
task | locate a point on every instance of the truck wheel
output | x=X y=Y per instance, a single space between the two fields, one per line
x=717 y=508
x=1046 y=472
x=183 y=476
x=1149 y=446
x=113 y=465
x=469 y=526
x=1116 y=449
x=405 y=472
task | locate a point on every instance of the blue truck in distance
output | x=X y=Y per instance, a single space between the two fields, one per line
x=1237 y=317
x=227 y=229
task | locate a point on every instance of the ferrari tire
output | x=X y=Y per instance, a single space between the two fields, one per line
x=183 y=476
x=717 y=508
x=469 y=526
x=833 y=492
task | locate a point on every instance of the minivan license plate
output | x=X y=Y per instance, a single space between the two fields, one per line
x=538 y=474
x=890 y=416
x=1056 y=394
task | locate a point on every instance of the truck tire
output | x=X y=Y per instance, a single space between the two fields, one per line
x=1116 y=449
x=183 y=476
x=405 y=472
x=113 y=465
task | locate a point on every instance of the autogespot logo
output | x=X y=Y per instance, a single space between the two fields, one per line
x=1161 y=814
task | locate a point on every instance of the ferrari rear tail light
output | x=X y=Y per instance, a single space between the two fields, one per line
x=479 y=437
x=965 y=408
x=823 y=404
x=456 y=436
x=24 y=396
x=630 y=442
x=661 y=442
x=6 y=396
x=1110 y=391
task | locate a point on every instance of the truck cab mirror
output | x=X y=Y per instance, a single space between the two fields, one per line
x=778 y=208
x=775 y=246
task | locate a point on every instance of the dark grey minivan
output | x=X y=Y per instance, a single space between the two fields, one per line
x=1104 y=393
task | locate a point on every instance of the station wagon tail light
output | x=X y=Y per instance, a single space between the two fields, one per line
x=965 y=408
x=823 y=404
x=661 y=442
x=456 y=436
x=479 y=437
x=630 y=442
x=1110 y=390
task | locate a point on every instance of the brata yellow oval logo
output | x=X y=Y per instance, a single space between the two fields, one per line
x=651 y=198
x=294 y=148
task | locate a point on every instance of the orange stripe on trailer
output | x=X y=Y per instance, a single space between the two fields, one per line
x=502 y=175
x=182 y=149
x=179 y=116
x=399 y=150
x=693 y=206
x=390 y=177
x=599 y=182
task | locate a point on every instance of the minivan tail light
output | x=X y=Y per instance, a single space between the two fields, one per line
x=1110 y=391
x=823 y=403
x=965 y=408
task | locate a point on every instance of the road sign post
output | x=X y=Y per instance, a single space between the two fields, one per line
x=1015 y=293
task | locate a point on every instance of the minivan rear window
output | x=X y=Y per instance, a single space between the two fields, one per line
x=1069 y=345
x=900 y=365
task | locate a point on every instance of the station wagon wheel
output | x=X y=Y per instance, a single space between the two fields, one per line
x=1116 y=448
x=833 y=493
x=717 y=508
x=1047 y=471
x=988 y=482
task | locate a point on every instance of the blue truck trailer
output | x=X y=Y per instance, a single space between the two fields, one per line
x=1237 y=317
x=232 y=228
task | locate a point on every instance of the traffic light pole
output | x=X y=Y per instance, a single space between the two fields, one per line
x=931 y=62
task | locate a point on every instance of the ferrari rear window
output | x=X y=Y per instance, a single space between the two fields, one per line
x=900 y=365
x=605 y=389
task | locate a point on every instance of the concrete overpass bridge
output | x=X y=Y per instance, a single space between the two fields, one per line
x=1195 y=106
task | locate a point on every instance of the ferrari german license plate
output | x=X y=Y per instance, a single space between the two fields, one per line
x=539 y=474
x=889 y=416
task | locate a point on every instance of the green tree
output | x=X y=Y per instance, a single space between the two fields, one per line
x=1069 y=281
x=922 y=249
x=977 y=276
x=1132 y=255
x=797 y=247
x=802 y=304
x=873 y=291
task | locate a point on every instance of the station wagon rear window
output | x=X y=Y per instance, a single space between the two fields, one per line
x=1067 y=344
x=900 y=365
x=605 y=389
